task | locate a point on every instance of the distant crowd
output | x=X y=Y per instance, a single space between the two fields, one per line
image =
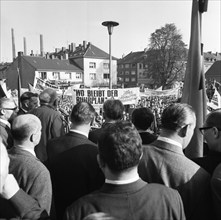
x=65 y=161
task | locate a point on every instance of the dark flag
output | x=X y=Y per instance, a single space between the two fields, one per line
x=194 y=92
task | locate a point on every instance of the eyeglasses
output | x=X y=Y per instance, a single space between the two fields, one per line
x=11 y=108
x=206 y=128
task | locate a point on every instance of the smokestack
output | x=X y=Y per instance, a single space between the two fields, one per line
x=41 y=46
x=84 y=44
x=73 y=47
x=25 y=50
x=13 y=44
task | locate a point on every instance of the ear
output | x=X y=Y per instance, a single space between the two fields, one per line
x=182 y=132
x=100 y=162
x=216 y=132
x=2 y=111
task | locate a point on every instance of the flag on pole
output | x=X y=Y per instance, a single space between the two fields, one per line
x=19 y=87
x=194 y=92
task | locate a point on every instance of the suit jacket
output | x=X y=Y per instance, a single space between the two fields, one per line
x=6 y=135
x=74 y=173
x=209 y=162
x=52 y=127
x=21 y=206
x=134 y=201
x=166 y=164
x=58 y=145
x=32 y=176
x=147 y=137
x=95 y=134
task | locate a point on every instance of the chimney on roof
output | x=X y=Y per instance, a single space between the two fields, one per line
x=41 y=46
x=73 y=47
x=25 y=49
x=65 y=56
x=85 y=44
x=13 y=44
x=47 y=55
x=63 y=48
x=31 y=53
x=20 y=53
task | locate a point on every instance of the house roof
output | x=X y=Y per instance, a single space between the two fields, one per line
x=214 y=70
x=41 y=63
x=133 y=57
x=90 y=51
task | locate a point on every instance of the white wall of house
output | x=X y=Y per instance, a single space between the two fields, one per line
x=96 y=72
x=60 y=75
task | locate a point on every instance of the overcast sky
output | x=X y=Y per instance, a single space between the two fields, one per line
x=64 y=22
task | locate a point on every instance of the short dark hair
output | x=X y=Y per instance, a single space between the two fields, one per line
x=142 y=118
x=82 y=113
x=214 y=119
x=176 y=115
x=27 y=96
x=120 y=146
x=113 y=109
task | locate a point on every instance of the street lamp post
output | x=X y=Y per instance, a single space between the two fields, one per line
x=110 y=25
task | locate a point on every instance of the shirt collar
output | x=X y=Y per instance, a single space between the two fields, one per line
x=26 y=149
x=5 y=122
x=170 y=141
x=120 y=182
x=79 y=132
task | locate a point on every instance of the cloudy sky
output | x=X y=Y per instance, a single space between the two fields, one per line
x=64 y=22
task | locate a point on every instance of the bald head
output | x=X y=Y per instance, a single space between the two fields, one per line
x=24 y=126
x=48 y=96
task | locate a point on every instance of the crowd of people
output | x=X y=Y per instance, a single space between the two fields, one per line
x=121 y=169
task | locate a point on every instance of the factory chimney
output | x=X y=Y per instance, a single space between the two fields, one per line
x=41 y=46
x=13 y=44
x=25 y=49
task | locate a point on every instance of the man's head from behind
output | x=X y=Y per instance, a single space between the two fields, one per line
x=26 y=129
x=49 y=97
x=83 y=113
x=29 y=100
x=142 y=118
x=179 y=118
x=120 y=147
x=113 y=109
x=212 y=130
x=8 y=109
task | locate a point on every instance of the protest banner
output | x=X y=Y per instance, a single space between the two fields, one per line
x=167 y=92
x=97 y=97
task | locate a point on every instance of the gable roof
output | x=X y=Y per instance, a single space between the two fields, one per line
x=214 y=70
x=41 y=63
x=90 y=51
x=133 y=57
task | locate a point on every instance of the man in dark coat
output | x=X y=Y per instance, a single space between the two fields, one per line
x=51 y=120
x=72 y=160
x=124 y=195
x=143 y=119
x=113 y=111
x=212 y=134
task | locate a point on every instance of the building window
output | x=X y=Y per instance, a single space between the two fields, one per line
x=133 y=79
x=127 y=65
x=43 y=75
x=78 y=76
x=127 y=79
x=92 y=65
x=56 y=75
x=140 y=65
x=133 y=72
x=133 y=65
x=106 y=75
x=92 y=76
x=106 y=65
x=127 y=73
